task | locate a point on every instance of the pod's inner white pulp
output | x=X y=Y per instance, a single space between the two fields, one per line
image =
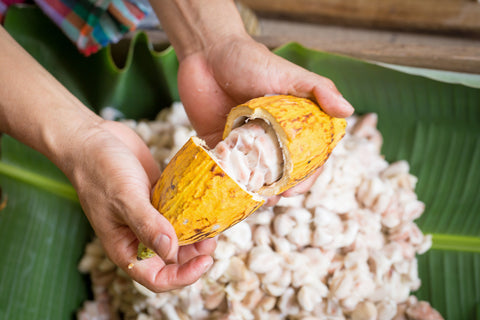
x=251 y=155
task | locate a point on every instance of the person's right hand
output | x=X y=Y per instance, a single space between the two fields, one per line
x=113 y=175
x=221 y=66
x=236 y=69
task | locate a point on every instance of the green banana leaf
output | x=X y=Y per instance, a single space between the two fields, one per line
x=433 y=124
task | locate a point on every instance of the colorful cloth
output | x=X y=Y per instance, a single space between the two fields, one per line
x=4 y=4
x=91 y=24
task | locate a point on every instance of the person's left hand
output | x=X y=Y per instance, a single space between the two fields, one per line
x=113 y=173
x=232 y=71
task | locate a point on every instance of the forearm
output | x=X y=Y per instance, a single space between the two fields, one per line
x=195 y=25
x=35 y=108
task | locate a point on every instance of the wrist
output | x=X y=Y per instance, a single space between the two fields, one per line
x=63 y=143
x=45 y=116
x=194 y=26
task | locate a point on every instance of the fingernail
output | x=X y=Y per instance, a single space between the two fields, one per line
x=347 y=106
x=163 y=245
x=207 y=265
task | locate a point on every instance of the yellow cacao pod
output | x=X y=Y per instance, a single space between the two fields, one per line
x=201 y=200
x=306 y=134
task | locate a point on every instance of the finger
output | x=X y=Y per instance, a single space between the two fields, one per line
x=303 y=186
x=324 y=91
x=332 y=102
x=153 y=273
x=308 y=84
x=271 y=201
x=153 y=230
x=171 y=276
x=205 y=247
x=121 y=246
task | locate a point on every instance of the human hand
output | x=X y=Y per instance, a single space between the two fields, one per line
x=113 y=176
x=110 y=167
x=221 y=66
x=213 y=80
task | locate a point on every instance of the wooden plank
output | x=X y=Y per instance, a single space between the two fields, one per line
x=403 y=48
x=441 y=16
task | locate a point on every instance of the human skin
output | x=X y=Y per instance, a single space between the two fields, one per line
x=221 y=66
x=111 y=169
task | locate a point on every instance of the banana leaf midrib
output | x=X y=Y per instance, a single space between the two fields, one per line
x=61 y=189
x=440 y=241
x=454 y=242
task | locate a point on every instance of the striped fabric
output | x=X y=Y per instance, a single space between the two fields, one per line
x=4 y=4
x=91 y=24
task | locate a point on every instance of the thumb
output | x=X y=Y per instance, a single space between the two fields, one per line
x=307 y=84
x=331 y=101
x=154 y=231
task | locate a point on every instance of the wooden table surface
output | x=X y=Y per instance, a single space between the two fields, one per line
x=432 y=51
x=436 y=34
